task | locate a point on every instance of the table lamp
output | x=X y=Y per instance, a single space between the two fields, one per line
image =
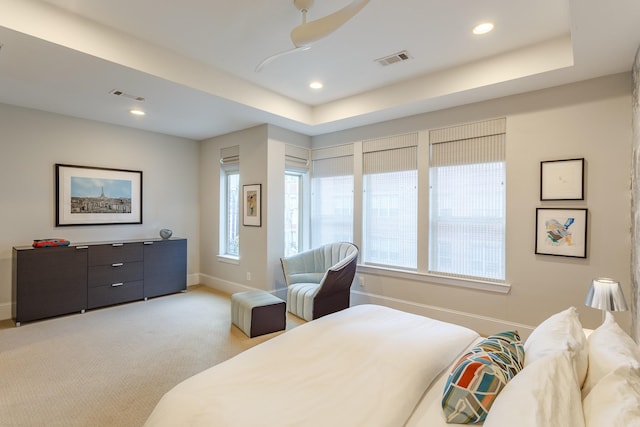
x=606 y=295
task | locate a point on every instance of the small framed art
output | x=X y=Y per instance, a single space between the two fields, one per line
x=562 y=179
x=252 y=215
x=97 y=196
x=561 y=232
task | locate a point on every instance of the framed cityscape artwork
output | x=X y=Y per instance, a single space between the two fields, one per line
x=97 y=196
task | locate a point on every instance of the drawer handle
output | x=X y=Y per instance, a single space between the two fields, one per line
x=82 y=247
x=148 y=243
x=117 y=264
x=115 y=245
x=115 y=285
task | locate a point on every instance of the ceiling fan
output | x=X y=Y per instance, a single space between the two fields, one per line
x=307 y=33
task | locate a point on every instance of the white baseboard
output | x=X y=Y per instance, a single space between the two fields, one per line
x=223 y=285
x=5 y=311
x=483 y=325
x=233 y=287
x=193 y=279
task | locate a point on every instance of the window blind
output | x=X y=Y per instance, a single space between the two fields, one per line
x=230 y=158
x=296 y=158
x=468 y=200
x=390 y=154
x=332 y=195
x=390 y=208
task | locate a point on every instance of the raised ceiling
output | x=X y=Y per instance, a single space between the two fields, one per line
x=194 y=61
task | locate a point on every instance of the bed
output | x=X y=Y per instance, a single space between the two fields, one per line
x=376 y=366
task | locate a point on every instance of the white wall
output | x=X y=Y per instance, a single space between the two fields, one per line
x=253 y=167
x=34 y=141
x=261 y=162
x=591 y=119
x=181 y=189
x=278 y=139
x=635 y=201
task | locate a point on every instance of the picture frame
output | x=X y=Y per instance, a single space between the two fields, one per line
x=562 y=179
x=88 y=195
x=561 y=232
x=252 y=209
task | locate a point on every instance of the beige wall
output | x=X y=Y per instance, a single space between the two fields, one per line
x=34 y=141
x=261 y=162
x=590 y=119
x=181 y=188
x=635 y=209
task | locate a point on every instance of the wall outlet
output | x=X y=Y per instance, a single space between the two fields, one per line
x=248 y=276
x=361 y=281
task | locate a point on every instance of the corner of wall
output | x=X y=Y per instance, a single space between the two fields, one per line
x=635 y=203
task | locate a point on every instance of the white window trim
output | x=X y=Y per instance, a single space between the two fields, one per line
x=479 y=285
x=229 y=259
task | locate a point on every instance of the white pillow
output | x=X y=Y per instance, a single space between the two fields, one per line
x=615 y=400
x=560 y=332
x=609 y=348
x=543 y=394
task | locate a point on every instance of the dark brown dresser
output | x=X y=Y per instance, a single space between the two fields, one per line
x=54 y=281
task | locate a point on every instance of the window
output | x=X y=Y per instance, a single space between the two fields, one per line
x=232 y=213
x=332 y=195
x=468 y=201
x=292 y=213
x=390 y=202
x=295 y=204
x=431 y=202
x=230 y=201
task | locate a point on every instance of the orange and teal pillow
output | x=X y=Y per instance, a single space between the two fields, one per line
x=478 y=377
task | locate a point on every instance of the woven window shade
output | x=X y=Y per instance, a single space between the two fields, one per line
x=468 y=200
x=332 y=195
x=296 y=158
x=230 y=158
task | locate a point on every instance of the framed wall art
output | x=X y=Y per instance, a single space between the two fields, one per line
x=97 y=196
x=252 y=215
x=562 y=179
x=561 y=232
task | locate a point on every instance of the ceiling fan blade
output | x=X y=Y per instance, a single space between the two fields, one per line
x=309 y=32
x=278 y=55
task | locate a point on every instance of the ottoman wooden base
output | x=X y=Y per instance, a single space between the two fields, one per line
x=258 y=313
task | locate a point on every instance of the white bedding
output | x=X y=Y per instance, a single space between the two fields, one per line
x=364 y=366
x=428 y=412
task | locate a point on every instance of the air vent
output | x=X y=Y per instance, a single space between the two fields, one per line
x=117 y=92
x=392 y=59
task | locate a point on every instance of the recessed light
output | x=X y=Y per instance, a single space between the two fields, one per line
x=137 y=112
x=483 y=28
x=315 y=85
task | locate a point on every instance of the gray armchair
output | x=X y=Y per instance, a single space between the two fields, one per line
x=319 y=280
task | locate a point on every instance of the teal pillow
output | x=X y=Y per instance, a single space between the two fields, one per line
x=478 y=377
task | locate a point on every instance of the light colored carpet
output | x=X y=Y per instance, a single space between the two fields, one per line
x=109 y=367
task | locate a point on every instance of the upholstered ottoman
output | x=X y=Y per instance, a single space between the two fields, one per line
x=257 y=312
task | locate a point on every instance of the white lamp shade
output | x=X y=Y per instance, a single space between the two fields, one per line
x=606 y=294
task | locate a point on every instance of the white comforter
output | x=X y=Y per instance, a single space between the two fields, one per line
x=364 y=366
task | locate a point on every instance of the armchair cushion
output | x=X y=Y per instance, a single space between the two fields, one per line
x=300 y=299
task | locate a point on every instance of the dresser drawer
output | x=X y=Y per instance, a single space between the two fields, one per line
x=115 y=273
x=115 y=253
x=114 y=294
